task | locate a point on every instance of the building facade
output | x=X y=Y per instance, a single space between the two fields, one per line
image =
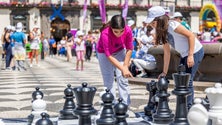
x=57 y=17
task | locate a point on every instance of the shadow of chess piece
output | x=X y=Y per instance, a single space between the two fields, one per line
x=84 y=97
x=34 y=97
x=44 y=120
x=69 y=106
x=107 y=114
x=163 y=113
x=151 y=105
x=120 y=110
x=181 y=80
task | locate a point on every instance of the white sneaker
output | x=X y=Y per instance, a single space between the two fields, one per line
x=31 y=65
x=141 y=74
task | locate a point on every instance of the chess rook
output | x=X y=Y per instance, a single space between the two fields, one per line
x=84 y=97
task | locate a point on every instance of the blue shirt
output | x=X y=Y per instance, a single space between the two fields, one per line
x=51 y=41
x=18 y=37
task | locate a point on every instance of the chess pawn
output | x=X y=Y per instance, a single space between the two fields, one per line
x=214 y=95
x=45 y=120
x=181 y=80
x=69 y=106
x=37 y=92
x=106 y=117
x=84 y=97
x=120 y=110
x=38 y=107
x=197 y=114
x=151 y=105
x=163 y=113
x=34 y=97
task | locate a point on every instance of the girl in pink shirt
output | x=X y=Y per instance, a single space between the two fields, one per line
x=114 y=51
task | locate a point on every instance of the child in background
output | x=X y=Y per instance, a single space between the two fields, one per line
x=80 y=49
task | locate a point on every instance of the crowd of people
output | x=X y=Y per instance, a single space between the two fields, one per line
x=18 y=46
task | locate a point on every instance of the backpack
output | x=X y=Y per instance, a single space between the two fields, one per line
x=88 y=44
x=134 y=70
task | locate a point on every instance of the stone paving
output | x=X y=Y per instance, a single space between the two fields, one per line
x=52 y=78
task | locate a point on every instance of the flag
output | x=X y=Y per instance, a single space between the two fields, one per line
x=102 y=9
x=125 y=9
x=84 y=12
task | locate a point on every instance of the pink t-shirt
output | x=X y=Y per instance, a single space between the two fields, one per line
x=108 y=43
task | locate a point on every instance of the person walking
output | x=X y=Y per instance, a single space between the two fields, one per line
x=114 y=49
x=8 y=47
x=69 y=45
x=169 y=32
x=52 y=45
x=35 y=40
x=19 y=40
x=80 y=49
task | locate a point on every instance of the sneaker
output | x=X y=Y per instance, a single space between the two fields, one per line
x=38 y=65
x=31 y=65
x=8 y=69
x=141 y=74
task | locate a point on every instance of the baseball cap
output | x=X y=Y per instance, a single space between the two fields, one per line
x=79 y=33
x=177 y=14
x=130 y=22
x=19 y=27
x=153 y=12
x=9 y=27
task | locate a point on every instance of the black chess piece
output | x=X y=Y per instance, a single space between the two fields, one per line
x=181 y=91
x=35 y=93
x=84 y=97
x=152 y=104
x=107 y=115
x=163 y=113
x=34 y=97
x=45 y=120
x=69 y=106
x=120 y=110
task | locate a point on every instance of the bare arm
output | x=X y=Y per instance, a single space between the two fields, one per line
x=123 y=68
x=7 y=37
x=166 y=58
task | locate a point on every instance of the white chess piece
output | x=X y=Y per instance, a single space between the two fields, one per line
x=1 y=122
x=38 y=106
x=197 y=115
x=214 y=95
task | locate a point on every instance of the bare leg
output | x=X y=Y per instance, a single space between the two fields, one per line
x=37 y=56
x=81 y=64
x=77 y=65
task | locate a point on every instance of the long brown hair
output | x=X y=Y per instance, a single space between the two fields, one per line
x=161 y=29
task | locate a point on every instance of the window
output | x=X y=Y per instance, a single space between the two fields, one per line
x=20 y=16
